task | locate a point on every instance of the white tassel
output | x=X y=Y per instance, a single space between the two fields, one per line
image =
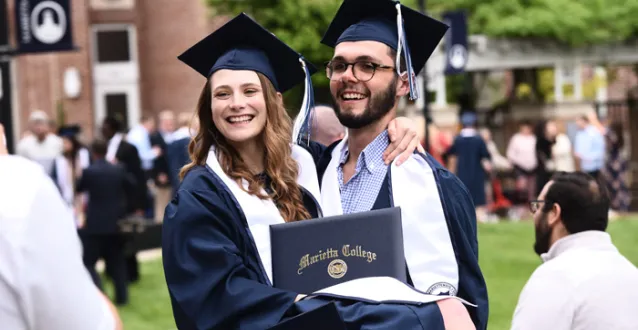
x=402 y=46
x=400 y=38
x=304 y=112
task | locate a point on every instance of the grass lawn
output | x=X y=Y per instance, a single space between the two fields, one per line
x=506 y=258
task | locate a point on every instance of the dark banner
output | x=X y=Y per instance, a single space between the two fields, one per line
x=4 y=28
x=43 y=26
x=456 y=47
x=6 y=115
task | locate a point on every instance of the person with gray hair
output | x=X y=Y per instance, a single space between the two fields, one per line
x=326 y=128
x=40 y=145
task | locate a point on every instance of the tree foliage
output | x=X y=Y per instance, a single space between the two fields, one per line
x=301 y=23
x=573 y=22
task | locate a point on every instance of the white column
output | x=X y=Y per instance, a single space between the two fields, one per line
x=558 y=83
x=600 y=76
x=577 y=81
x=15 y=103
x=441 y=92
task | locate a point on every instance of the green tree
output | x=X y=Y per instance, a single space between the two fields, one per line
x=573 y=22
x=301 y=23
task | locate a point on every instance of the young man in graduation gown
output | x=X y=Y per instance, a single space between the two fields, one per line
x=372 y=68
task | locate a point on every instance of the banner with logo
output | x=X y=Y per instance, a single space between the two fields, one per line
x=43 y=26
x=456 y=46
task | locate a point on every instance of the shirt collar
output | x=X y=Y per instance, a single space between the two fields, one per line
x=598 y=240
x=181 y=133
x=465 y=132
x=372 y=155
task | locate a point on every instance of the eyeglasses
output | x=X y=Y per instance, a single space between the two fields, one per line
x=535 y=205
x=362 y=70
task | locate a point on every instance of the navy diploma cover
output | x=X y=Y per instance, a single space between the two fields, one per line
x=314 y=254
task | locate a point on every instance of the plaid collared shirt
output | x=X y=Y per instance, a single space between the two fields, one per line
x=360 y=192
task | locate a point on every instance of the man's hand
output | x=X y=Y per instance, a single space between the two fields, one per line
x=3 y=142
x=403 y=140
x=455 y=315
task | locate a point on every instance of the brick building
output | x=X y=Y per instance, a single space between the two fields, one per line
x=126 y=60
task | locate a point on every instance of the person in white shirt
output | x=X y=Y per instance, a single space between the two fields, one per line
x=584 y=282
x=40 y=145
x=140 y=137
x=563 y=154
x=521 y=152
x=43 y=282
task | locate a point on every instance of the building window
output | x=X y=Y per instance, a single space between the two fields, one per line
x=113 y=46
x=117 y=107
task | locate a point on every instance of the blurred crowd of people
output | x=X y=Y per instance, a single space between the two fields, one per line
x=503 y=183
x=122 y=174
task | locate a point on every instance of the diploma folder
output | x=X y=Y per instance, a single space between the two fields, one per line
x=311 y=255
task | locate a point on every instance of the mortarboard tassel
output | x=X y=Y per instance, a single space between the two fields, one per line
x=403 y=45
x=302 y=127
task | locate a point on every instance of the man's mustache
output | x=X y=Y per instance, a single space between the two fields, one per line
x=353 y=88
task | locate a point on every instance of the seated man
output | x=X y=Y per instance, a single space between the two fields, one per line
x=584 y=282
x=370 y=71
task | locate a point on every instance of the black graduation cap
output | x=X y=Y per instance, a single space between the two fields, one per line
x=376 y=20
x=69 y=130
x=243 y=44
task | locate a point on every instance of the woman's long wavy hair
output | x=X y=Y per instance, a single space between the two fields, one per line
x=280 y=166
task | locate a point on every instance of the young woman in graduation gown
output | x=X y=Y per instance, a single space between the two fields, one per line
x=245 y=175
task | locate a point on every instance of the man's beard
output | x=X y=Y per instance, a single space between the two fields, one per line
x=543 y=235
x=378 y=106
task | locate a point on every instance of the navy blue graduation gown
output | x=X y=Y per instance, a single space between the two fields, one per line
x=470 y=151
x=216 y=281
x=461 y=222
x=214 y=276
x=177 y=157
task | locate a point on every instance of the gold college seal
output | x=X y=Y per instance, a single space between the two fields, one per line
x=337 y=268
